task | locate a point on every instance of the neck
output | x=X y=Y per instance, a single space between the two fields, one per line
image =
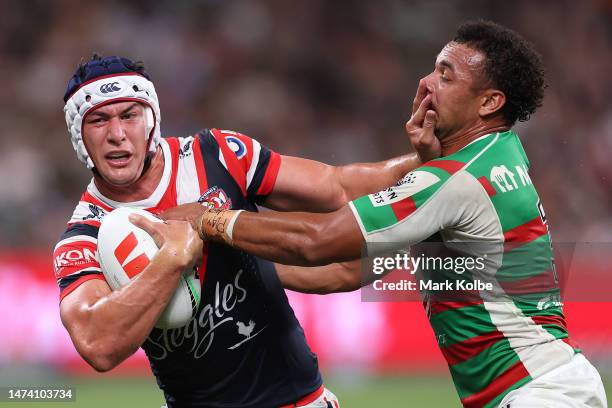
x=138 y=190
x=458 y=140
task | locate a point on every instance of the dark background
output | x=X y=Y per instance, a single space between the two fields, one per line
x=328 y=80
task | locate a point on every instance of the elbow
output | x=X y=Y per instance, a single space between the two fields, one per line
x=351 y=277
x=102 y=365
x=351 y=283
x=314 y=250
x=100 y=359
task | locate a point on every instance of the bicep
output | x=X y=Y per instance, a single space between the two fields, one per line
x=305 y=185
x=74 y=307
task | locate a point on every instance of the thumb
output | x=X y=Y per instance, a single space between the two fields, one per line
x=430 y=120
x=147 y=225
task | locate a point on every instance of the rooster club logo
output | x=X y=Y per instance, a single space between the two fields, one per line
x=216 y=198
x=123 y=251
x=110 y=87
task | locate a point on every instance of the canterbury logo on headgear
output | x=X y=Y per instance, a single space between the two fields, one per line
x=110 y=87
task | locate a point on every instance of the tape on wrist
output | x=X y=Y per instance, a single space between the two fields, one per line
x=217 y=225
x=200 y=230
x=230 y=226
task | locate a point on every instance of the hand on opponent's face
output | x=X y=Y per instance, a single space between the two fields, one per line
x=420 y=128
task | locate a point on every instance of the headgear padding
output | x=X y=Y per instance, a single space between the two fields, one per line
x=103 y=81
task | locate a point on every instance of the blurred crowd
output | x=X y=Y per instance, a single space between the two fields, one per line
x=328 y=80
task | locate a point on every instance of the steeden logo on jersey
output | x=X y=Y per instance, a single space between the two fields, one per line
x=95 y=213
x=186 y=151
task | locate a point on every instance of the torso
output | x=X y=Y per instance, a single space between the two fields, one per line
x=244 y=347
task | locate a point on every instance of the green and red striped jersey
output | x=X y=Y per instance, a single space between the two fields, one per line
x=497 y=341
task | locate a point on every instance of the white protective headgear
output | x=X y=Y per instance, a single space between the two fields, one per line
x=107 y=89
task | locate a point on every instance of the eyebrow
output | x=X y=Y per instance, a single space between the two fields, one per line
x=123 y=112
x=447 y=64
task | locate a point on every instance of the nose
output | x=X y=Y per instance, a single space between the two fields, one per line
x=428 y=80
x=116 y=133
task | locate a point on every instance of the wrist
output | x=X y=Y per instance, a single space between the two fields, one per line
x=217 y=225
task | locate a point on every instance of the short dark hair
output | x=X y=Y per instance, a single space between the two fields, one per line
x=512 y=65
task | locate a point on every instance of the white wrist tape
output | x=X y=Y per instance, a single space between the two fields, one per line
x=230 y=226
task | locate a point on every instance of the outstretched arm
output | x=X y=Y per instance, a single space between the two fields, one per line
x=308 y=185
x=305 y=239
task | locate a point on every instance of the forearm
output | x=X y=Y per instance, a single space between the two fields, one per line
x=304 y=239
x=336 y=277
x=113 y=327
x=365 y=178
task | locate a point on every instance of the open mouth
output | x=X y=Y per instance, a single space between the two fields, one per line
x=120 y=158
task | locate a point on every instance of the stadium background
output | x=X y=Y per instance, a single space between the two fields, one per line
x=328 y=80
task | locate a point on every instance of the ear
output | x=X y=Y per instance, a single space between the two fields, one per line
x=492 y=101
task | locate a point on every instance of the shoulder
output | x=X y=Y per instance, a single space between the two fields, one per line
x=89 y=210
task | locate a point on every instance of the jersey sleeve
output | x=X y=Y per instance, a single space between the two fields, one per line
x=252 y=165
x=75 y=259
x=418 y=206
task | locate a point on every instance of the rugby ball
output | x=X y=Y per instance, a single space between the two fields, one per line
x=124 y=250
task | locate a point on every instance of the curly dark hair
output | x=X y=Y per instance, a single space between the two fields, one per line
x=136 y=66
x=512 y=65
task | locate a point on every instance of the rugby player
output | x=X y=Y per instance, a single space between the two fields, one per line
x=244 y=348
x=513 y=351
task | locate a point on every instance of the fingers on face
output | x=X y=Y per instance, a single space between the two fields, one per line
x=419 y=115
x=420 y=95
x=430 y=119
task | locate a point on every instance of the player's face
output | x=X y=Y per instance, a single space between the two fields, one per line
x=114 y=136
x=454 y=86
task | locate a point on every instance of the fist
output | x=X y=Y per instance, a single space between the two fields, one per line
x=175 y=239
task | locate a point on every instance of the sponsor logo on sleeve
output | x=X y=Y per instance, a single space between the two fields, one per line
x=72 y=258
x=411 y=184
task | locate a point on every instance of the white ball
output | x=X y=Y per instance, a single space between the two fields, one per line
x=124 y=250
